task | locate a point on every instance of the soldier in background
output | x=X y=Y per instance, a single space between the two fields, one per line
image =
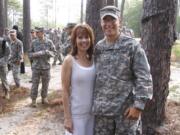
x=16 y=56
x=123 y=81
x=66 y=40
x=4 y=56
x=6 y=35
x=18 y=33
x=127 y=32
x=33 y=37
x=64 y=35
x=57 y=43
x=41 y=50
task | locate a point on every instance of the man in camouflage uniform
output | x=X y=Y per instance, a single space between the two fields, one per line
x=57 y=42
x=16 y=56
x=4 y=56
x=41 y=50
x=66 y=43
x=123 y=80
x=33 y=37
x=6 y=36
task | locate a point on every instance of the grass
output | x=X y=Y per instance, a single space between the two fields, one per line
x=176 y=51
x=16 y=94
x=174 y=88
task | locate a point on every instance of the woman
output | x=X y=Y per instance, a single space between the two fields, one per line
x=78 y=75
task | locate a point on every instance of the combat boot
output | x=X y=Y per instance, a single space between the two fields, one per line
x=45 y=101
x=54 y=64
x=7 y=96
x=33 y=103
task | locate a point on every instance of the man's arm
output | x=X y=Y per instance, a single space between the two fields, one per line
x=143 y=83
x=33 y=54
x=4 y=60
x=143 y=79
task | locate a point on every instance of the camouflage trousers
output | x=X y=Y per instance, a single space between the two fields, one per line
x=16 y=73
x=3 y=76
x=116 y=125
x=38 y=74
x=57 y=57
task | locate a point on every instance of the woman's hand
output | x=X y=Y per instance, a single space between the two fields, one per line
x=68 y=125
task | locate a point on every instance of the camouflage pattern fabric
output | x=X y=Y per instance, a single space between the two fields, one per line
x=121 y=69
x=44 y=75
x=41 y=52
x=15 y=59
x=57 y=43
x=66 y=47
x=4 y=56
x=123 y=80
x=16 y=52
x=106 y=126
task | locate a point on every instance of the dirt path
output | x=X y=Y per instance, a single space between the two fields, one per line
x=43 y=120
x=48 y=120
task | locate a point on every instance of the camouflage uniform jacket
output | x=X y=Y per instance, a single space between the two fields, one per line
x=122 y=70
x=67 y=46
x=4 y=53
x=16 y=51
x=40 y=52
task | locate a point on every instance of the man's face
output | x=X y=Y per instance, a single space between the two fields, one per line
x=33 y=34
x=69 y=30
x=40 y=34
x=13 y=36
x=110 y=26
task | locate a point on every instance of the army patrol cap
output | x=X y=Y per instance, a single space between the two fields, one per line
x=12 y=32
x=70 y=25
x=110 y=11
x=39 y=29
x=33 y=30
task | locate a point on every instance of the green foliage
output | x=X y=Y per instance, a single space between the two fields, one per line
x=178 y=24
x=174 y=88
x=14 y=5
x=14 y=13
x=43 y=24
x=132 y=15
x=176 y=50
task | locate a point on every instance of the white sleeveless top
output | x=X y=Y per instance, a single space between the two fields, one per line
x=82 y=85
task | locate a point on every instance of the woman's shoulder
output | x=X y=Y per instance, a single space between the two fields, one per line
x=68 y=59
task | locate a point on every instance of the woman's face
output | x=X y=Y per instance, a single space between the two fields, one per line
x=83 y=41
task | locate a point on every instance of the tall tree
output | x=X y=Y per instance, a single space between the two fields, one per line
x=46 y=10
x=93 y=17
x=14 y=12
x=82 y=5
x=2 y=17
x=26 y=24
x=6 y=12
x=122 y=8
x=116 y=3
x=132 y=16
x=110 y=2
x=158 y=28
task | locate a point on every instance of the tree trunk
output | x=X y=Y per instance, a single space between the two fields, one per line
x=82 y=5
x=116 y=3
x=158 y=28
x=26 y=24
x=6 y=13
x=2 y=17
x=122 y=8
x=110 y=2
x=93 y=17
